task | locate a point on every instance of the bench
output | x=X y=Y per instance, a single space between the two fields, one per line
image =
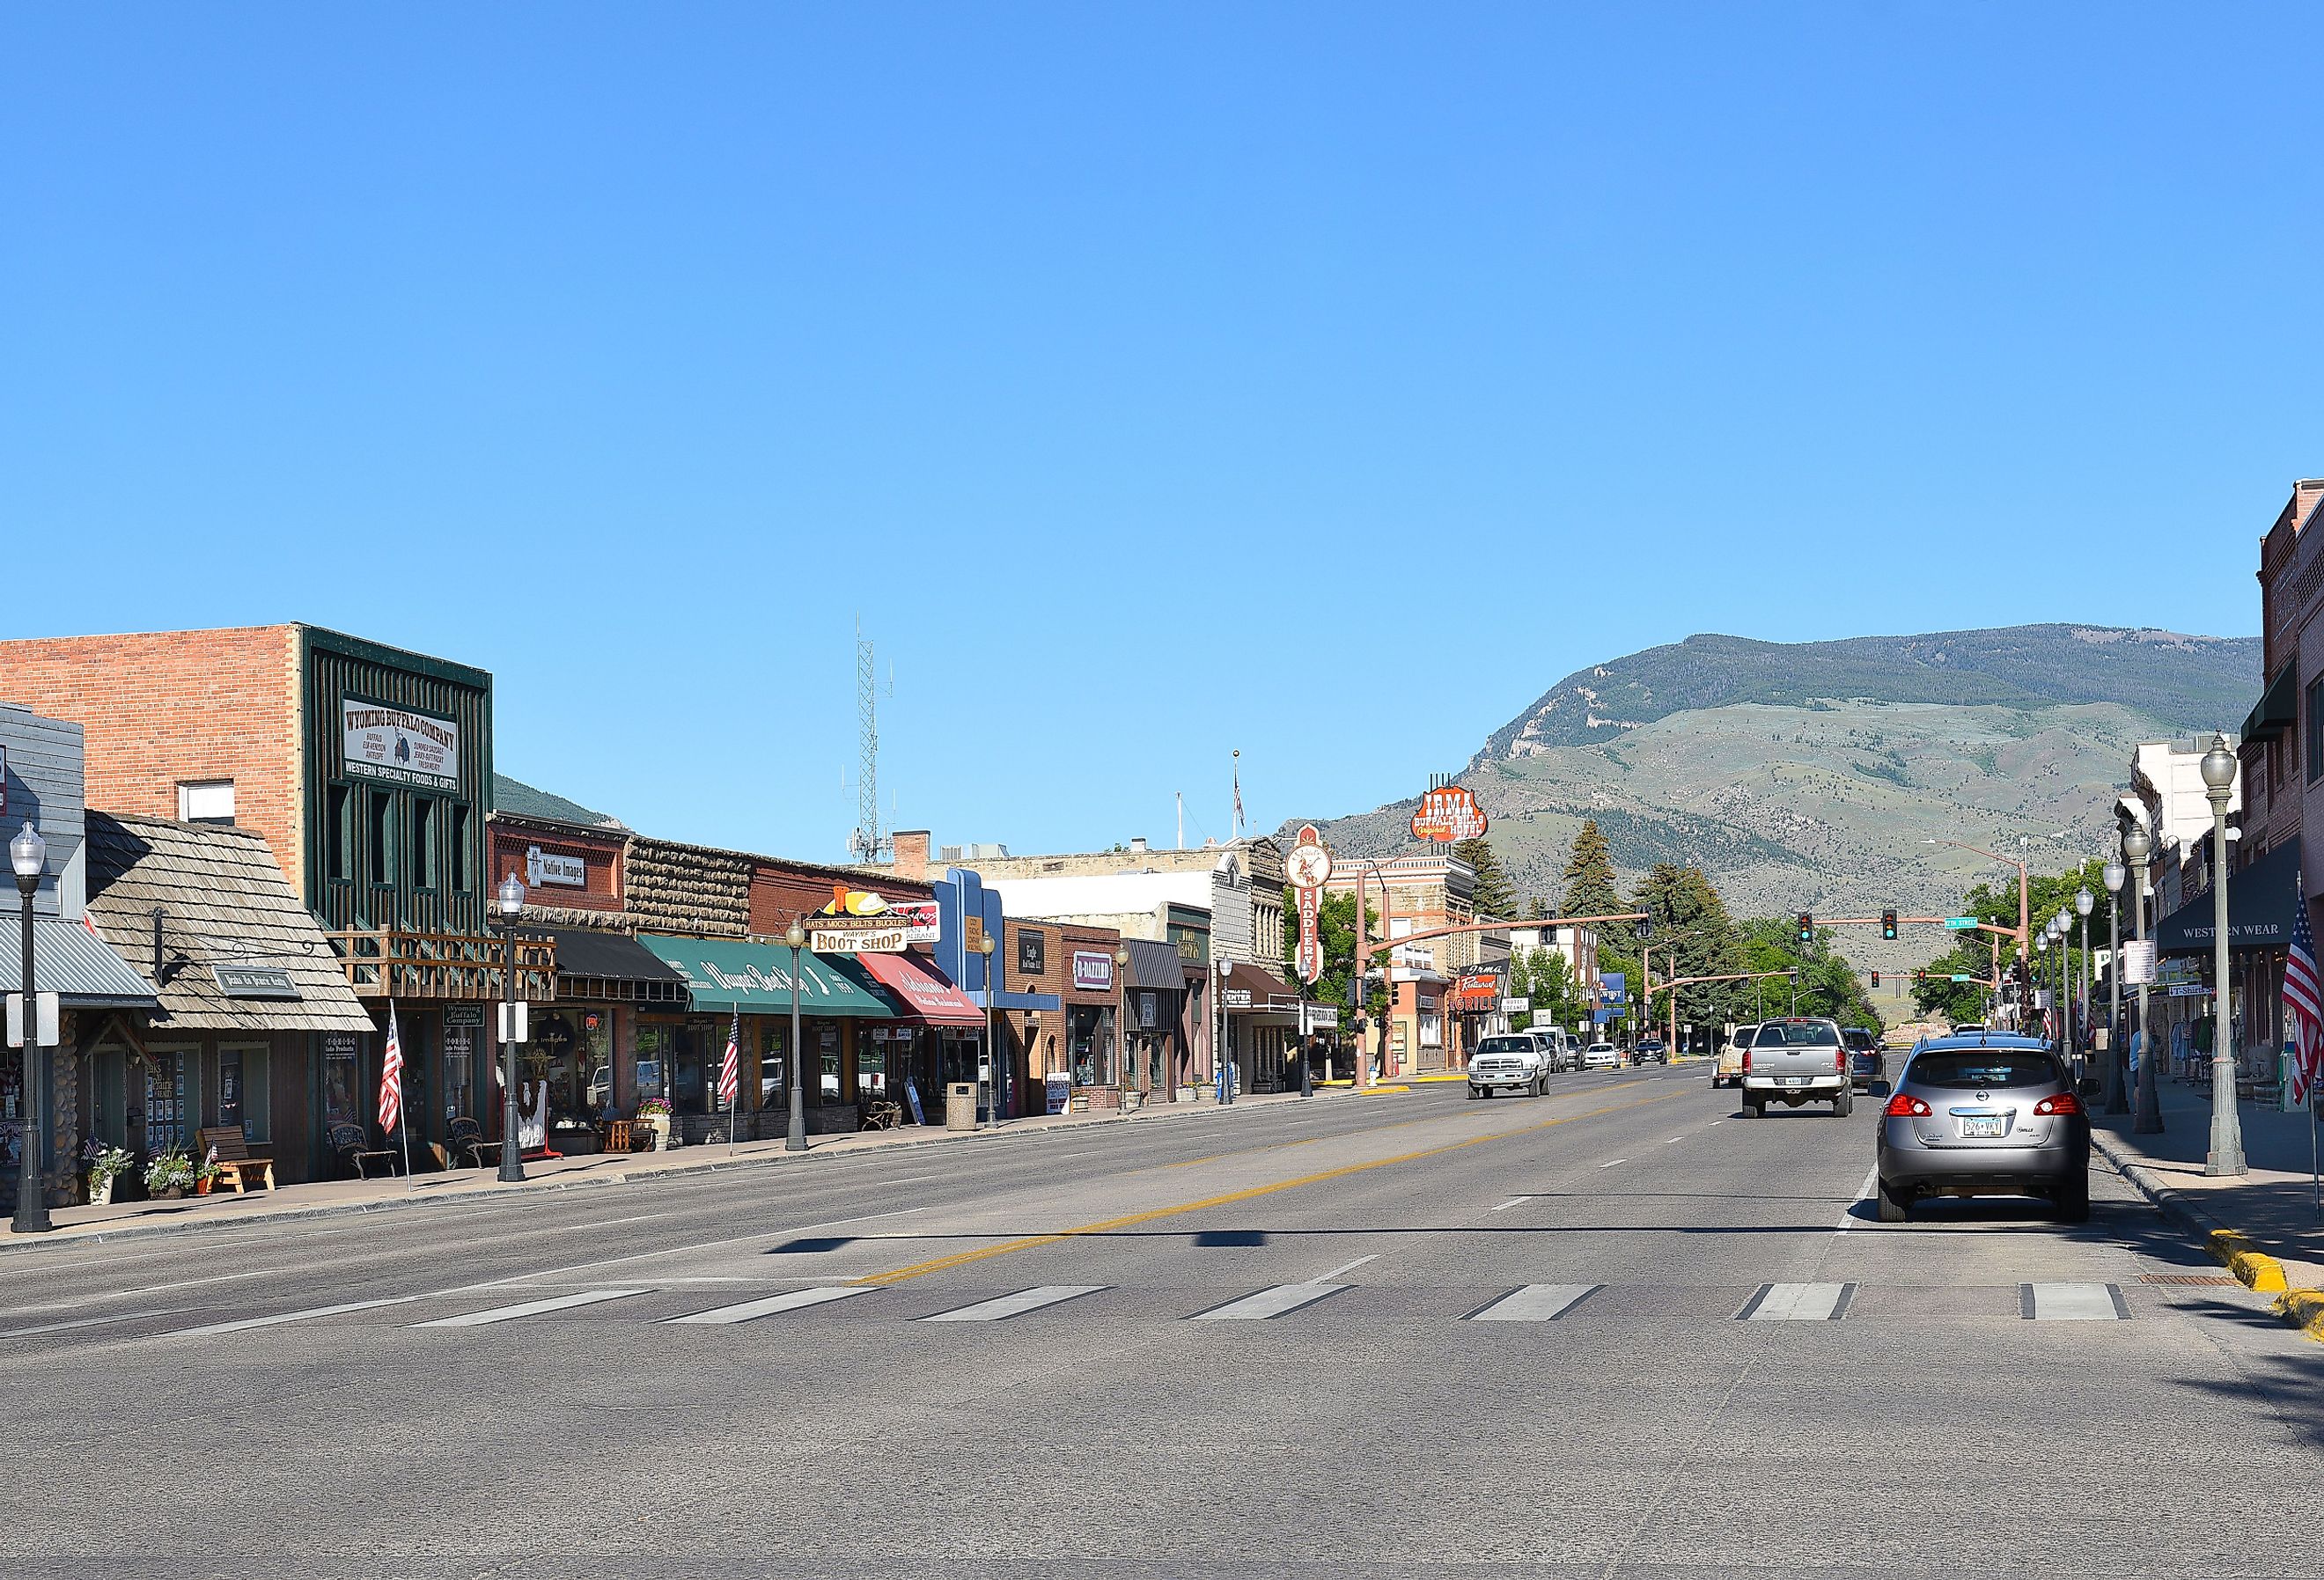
x=231 y=1151
x=353 y=1150
x=468 y=1146
x=880 y=1115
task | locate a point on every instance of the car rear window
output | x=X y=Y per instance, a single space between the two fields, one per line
x=1806 y=1035
x=1505 y=1045
x=1969 y=1068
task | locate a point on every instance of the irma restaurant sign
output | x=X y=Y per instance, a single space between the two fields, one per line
x=398 y=745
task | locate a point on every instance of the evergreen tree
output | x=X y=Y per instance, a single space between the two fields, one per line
x=1492 y=897
x=1589 y=889
x=1693 y=936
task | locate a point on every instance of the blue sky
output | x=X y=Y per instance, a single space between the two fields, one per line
x=1324 y=380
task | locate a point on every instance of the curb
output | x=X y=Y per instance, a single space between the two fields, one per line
x=2252 y=1268
x=33 y=1246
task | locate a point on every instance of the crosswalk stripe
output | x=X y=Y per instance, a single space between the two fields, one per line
x=2071 y=1303
x=529 y=1308
x=1535 y=1303
x=1262 y=1304
x=1798 y=1303
x=1017 y=1304
x=281 y=1317
x=789 y=1300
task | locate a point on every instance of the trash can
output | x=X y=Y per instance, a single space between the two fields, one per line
x=960 y=1105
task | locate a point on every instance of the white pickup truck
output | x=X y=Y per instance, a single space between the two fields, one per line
x=1517 y=1062
x=1797 y=1061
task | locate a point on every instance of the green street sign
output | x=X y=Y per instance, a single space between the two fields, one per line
x=1960 y=924
x=1958 y=977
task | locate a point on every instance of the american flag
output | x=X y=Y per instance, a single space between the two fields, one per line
x=2303 y=1003
x=730 y=1074
x=390 y=1079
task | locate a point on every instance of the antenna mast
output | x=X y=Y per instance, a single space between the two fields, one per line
x=867 y=844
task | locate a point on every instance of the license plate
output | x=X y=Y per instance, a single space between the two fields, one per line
x=1795 y=1080
x=1980 y=1124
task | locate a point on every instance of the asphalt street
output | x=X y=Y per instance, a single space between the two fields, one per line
x=1618 y=1330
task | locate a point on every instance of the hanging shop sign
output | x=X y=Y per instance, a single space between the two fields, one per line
x=855 y=939
x=918 y=918
x=1309 y=868
x=398 y=745
x=1032 y=953
x=542 y=866
x=1448 y=813
x=255 y=981
x=1238 y=998
x=1092 y=970
x=1477 y=990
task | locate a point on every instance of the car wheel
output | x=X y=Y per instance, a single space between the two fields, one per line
x=1843 y=1105
x=2071 y=1199
x=1474 y=1094
x=1752 y=1110
x=1892 y=1204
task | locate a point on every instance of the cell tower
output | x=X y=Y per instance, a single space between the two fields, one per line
x=867 y=844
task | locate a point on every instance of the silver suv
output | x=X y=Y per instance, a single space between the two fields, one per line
x=1986 y=1115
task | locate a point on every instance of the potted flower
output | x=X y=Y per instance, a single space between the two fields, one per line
x=169 y=1175
x=206 y=1173
x=654 y=1113
x=105 y=1165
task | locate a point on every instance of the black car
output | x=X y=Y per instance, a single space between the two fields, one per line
x=1650 y=1050
x=1865 y=1068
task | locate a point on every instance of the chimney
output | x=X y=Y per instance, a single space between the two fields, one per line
x=1137 y=845
x=912 y=854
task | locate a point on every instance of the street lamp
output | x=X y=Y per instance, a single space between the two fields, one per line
x=1123 y=1077
x=1219 y=1054
x=2084 y=902
x=2110 y=1074
x=984 y=947
x=508 y=900
x=2041 y=971
x=28 y=853
x=2138 y=844
x=2227 y=1155
x=795 y=936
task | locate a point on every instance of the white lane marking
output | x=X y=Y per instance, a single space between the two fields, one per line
x=1007 y=1306
x=1719 y=1122
x=1799 y=1303
x=1847 y=1219
x=1610 y=1165
x=1535 y=1303
x=1673 y=1141
x=279 y=1317
x=2070 y=1303
x=92 y=1322
x=1262 y=1304
x=1513 y=1202
x=1348 y=1267
x=529 y=1308
x=789 y=1300
x=915 y=1180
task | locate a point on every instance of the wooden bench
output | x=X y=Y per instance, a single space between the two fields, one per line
x=234 y=1163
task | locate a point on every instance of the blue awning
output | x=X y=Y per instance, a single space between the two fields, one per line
x=2261 y=901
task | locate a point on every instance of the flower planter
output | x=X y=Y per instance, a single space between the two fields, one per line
x=170 y=1193
x=100 y=1193
x=202 y=1186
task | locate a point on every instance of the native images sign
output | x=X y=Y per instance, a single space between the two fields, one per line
x=1448 y=814
x=397 y=746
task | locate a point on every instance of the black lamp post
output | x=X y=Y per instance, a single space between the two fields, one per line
x=28 y=853
x=508 y=900
x=796 y=1141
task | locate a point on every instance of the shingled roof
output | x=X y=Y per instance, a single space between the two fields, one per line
x=223 y=902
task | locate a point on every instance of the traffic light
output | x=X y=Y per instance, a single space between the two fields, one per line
x=1807 y=928
x=1645 y=929
x=1888 y=924
x=1919 y=977
x=1876 y=979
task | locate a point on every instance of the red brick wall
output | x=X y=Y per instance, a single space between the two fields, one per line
x=601 y=853
x=162 y=707
x=780 y=893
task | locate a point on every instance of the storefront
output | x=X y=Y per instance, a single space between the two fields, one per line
x=1080 y=1041
x=1155 y=1034
x=734 y=982
x=1262 y=1015
x=2262 y=901
x=581 y=1065
x=940 y=1040
x=1475 y=999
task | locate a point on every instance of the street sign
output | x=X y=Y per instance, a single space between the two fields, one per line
x=2138 y=961
x=47 y=1012
x=2189 y=990
x=1447 y=813
x=1960 y=924
x=1517 y=1006
x=1956 y=977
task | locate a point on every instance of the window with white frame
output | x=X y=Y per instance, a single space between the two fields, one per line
x=206 y=800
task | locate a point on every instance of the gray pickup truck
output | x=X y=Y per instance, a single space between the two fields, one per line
x=1797 y=1061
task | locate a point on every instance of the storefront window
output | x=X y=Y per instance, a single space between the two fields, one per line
x=695 y=1054
x=1088 y=1041
x=872 y=1066
x=165 y=1100
x=774 y=1049
x=570 y=1051
x=827 y=1042
x=242 y=1093
x=342 y=1080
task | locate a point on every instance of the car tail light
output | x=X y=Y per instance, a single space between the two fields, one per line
x=1904 y=1105
x=1840 y=1058
x=1747 y=1061
x=2063 y=1103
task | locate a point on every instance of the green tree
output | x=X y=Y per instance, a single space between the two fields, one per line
x=1693 y=936
x=1545 y=977
x=1335 y=924
x=1492 y=897
x=1589 y=887
x=1971 y=955
x=1824 y=984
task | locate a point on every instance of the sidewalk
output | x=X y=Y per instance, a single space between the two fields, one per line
x=2274 y=1205
x=337 y=1197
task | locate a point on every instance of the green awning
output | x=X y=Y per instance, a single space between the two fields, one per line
x=728 y=973
x=2279 y=706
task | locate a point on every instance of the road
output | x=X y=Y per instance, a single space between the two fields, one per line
x=1614 y=1331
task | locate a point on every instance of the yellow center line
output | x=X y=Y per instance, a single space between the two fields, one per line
x=1035 y=1241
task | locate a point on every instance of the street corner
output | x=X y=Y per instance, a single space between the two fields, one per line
x=2252 y=1268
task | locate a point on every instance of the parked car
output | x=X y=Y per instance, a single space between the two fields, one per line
x=1650 y=1050
x=1514 y=1062
x=1866 y=1063
x=1990 y=1115
x=1798 y=1060
x=1728 y=1070
x=1601 y=1056
x=1564 y=1052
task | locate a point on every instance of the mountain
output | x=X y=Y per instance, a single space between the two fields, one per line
x=1806 y=776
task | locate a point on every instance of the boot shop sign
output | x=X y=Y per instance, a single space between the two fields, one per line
x=397 y=746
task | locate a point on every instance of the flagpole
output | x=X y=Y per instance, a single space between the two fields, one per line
x=403 y=1121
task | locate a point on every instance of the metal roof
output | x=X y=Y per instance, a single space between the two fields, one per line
x=76 y=965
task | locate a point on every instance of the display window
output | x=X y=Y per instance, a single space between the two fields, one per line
x=242 y=1090
x=826 y=1040
x=570 y=1053
x=168 y=1124
x=1090 y=1044
x=774 y=1061
x=342 y=1080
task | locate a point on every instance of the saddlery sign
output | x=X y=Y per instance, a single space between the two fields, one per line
x=398 y=745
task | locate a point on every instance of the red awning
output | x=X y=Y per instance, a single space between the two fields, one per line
x=921 y=991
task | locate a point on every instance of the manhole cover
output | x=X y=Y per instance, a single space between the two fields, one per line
x=2210 y=1279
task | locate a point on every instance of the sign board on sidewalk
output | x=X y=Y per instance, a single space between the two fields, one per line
x=1960 y=924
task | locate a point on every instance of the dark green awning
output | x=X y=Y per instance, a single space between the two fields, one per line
x=2279 y=706
x=732 y=974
